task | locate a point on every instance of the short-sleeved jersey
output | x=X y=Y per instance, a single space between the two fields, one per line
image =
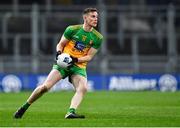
x=80 y=41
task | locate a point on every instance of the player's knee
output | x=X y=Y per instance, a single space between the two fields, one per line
x=83 y=89
x=43 y=89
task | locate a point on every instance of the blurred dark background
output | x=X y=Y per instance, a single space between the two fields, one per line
x=140 y=36
x=93 y=2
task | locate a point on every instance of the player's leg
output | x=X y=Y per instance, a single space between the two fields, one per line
x=53 y=77
x=80 y=84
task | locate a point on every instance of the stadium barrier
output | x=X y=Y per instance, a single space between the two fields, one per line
x=121 y=82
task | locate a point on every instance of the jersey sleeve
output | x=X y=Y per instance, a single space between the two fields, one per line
x=68 y=33
x=98 y=43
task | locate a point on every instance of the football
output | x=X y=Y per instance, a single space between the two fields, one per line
x=64 y=60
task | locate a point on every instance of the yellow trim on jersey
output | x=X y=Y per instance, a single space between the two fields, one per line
x=76 y=26
x=97 y=33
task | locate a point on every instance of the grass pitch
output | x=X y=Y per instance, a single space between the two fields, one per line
x=102 y=109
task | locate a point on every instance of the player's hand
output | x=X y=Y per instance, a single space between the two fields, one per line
x=57 y=54
x=74 y=60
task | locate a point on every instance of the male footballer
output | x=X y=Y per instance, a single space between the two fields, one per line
x=81 y=42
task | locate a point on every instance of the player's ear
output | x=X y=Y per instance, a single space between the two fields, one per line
x=84 y=17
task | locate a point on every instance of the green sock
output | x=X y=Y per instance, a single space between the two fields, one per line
x=26 y=105
x=71 y=110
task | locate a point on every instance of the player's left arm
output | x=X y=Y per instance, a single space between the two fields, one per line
x=92 y=51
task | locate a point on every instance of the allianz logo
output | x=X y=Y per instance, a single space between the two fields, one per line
x=166 y=82
x=129 y=83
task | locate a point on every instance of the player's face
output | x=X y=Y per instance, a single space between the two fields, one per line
x=91 y=19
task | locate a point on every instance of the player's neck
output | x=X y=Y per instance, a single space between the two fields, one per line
x=87 y=28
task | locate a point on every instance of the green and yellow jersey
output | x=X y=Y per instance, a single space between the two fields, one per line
x=80 y=41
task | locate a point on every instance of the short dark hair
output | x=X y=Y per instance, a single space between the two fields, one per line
x=90 y=9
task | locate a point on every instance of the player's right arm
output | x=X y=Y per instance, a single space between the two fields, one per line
x=64 y=39
x=60 y=46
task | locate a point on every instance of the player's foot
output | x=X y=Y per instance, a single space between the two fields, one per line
x=70 y=115
x=19 y=113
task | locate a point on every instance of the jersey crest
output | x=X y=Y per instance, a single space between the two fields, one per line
x=84 y=38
